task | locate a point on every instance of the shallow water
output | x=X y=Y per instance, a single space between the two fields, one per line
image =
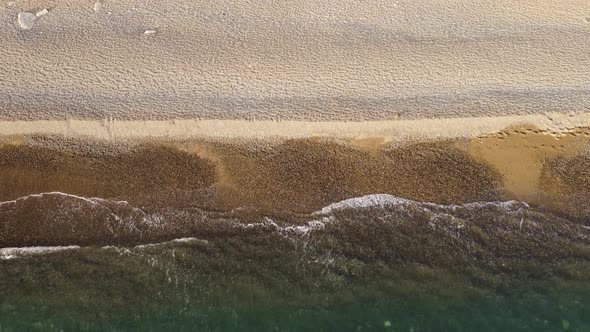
x=374 y=263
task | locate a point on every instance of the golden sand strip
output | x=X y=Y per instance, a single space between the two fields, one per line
x=398 y=130
x=540 y=159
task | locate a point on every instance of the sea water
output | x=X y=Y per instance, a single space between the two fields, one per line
x=372 y=263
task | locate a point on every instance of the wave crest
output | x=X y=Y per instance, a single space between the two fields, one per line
x=388 y=201
x=57 y=219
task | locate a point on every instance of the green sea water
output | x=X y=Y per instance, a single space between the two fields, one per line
x=405 y=267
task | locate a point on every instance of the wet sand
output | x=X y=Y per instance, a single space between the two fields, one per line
x=300 y=167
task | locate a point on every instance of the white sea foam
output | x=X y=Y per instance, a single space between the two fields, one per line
x=48 y=194
x=132 y=217
x=124 y=215
x=90 y=200
x=373 y=200
x=386 y=200
x=378 y=200
x=300 y=230
x=181 y=240
x=504 y=205
x=10 y=253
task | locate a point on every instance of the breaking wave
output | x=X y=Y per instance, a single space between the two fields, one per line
x=10 y=253
x=385 y=200
x=59 y=220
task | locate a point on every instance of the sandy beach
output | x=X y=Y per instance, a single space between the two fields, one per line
x=304 y=165
x=296 y=105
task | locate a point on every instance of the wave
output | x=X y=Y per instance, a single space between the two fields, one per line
x=299 y=230
x=57 y=219
x=386 y=200
x=185 y=240
x=11 y=253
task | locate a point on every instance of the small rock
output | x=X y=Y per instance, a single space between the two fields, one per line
x=149 y=32
x=387 y=323
x=97 y=6
x=26 y=20
x=42 y=12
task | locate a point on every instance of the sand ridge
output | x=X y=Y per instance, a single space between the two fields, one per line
x=398 y=130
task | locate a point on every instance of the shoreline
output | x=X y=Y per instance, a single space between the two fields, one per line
x=433 y=128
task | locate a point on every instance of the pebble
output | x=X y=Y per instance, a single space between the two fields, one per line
x=42 y=12
x=97 y=6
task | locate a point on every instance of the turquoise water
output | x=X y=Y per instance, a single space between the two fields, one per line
x=399 y=267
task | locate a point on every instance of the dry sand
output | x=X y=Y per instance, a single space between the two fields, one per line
x=305 y=60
